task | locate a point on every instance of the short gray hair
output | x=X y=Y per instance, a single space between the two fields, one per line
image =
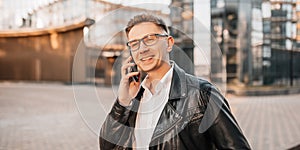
x=146 y=18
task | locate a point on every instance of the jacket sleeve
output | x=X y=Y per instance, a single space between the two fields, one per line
x=115 y=132
x=222 y=128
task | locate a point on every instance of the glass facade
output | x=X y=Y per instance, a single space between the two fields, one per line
x=280 y=42
x=224 y=28
x=181 y=29
x=260 y=39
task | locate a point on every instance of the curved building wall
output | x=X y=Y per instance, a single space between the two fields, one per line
x=39 y=54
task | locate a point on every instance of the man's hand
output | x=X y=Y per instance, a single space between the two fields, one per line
x=127 y=91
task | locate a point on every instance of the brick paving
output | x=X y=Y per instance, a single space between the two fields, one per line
x=45 y=116
x=269 y=122
x=41 y=117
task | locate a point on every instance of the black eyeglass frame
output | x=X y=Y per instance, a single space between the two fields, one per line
x=142 y=39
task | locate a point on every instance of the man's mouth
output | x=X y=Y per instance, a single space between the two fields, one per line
x=146 y=58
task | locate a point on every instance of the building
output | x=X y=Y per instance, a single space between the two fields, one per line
x=260 y=39
x=64 y=40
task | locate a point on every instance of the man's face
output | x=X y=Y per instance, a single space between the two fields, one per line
x=150 y=58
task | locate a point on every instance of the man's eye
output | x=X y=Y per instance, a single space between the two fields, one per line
x=134 y=44
x=150 y=39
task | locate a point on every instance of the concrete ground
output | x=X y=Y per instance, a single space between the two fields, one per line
x=55 y=116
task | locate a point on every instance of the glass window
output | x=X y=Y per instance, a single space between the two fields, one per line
x=266 y=10
x=267 y=52
x=267 y=26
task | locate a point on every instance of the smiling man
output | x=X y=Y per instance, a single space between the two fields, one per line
x=168 y=109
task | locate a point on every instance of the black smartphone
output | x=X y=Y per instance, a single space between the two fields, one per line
x=133 y=69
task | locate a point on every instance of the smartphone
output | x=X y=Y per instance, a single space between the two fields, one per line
x=133 y=69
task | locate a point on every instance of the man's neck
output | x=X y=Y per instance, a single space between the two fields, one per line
x=154 y=77
x=158 y=73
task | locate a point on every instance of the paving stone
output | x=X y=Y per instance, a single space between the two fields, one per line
x=49 y=116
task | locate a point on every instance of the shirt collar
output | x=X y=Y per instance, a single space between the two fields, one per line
x=164 y=82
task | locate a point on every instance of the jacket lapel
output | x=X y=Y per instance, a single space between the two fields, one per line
x=178 y=86
x=168 y=119
x=169 y=116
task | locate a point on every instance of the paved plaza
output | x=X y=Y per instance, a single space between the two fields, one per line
x=50 y=116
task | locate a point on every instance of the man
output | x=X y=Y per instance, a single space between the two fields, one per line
x=169 y=109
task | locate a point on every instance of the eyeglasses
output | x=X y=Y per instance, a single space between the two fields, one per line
x=148 y=40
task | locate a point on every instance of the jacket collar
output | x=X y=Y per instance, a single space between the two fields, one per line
x=178 y=87
x=169 y=117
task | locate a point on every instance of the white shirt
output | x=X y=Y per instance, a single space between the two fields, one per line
x=150 y=108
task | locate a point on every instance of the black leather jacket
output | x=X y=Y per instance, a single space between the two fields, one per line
x=196 y=116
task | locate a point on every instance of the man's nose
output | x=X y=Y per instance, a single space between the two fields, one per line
x=143 y=48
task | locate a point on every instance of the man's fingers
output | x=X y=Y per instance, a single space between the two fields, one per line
x=131 y=74
x=128 y=59
x=126 y=77
x=125 y=67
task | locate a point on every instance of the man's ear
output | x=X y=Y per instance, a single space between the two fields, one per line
x=170 y=43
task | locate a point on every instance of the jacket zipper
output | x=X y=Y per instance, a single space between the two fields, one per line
x=166 y=130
